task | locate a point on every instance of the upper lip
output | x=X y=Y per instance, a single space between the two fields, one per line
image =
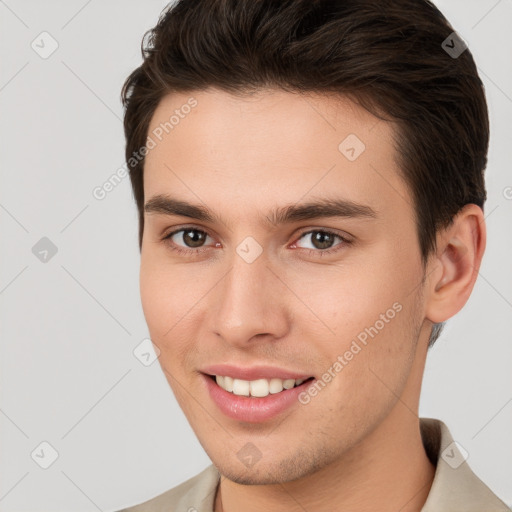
x=253 y=372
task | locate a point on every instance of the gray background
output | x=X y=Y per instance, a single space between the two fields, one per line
x=69 y=325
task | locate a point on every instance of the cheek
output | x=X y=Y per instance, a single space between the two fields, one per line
x=368 y=313
x=343 y=301
x=167 y=294
x=157 y=297
x=167 y=298
x=367 y=365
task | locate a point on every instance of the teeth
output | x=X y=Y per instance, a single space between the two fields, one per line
x=275 y=386
x=288 y=383
x=228 y=383
x=241 y=387
x=257 y=388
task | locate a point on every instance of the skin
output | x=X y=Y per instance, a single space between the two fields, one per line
x=357 y=444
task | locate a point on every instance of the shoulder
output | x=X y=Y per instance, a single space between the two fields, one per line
x=455 y=487
x=197 y=494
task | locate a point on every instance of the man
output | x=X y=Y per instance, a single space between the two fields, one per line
x=309 y=181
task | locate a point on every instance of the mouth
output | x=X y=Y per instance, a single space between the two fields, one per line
x=254 y=401
x=258 y=388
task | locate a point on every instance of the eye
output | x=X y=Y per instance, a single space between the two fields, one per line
x=191 y=238
x=322 y=241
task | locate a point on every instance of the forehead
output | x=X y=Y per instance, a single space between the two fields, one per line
x=271 y=148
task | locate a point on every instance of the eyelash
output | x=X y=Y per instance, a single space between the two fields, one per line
x=315 y=252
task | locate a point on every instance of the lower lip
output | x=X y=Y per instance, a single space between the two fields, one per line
x=253 y=409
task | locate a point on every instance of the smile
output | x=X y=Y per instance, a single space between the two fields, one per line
x=254 y=401
x=259 y=388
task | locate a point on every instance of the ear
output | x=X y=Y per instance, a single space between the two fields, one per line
x=452 y=271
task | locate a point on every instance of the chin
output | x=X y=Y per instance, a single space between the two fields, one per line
x=253 y=477
x=277 y=472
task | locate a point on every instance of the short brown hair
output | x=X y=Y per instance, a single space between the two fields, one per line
x=388 y=55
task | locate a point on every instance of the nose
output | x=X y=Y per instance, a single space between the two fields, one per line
x=251 y=303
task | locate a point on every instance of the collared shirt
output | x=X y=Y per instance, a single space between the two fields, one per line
x=455 y=487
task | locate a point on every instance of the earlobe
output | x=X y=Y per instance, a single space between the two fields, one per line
x=454 y=269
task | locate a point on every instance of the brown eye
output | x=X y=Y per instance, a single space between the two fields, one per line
x=322 y=240
x=193 y=237
x=186 y=238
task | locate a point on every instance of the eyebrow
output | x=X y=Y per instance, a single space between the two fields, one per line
x=166 y=205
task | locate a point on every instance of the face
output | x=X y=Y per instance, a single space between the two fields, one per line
x=264 y=288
